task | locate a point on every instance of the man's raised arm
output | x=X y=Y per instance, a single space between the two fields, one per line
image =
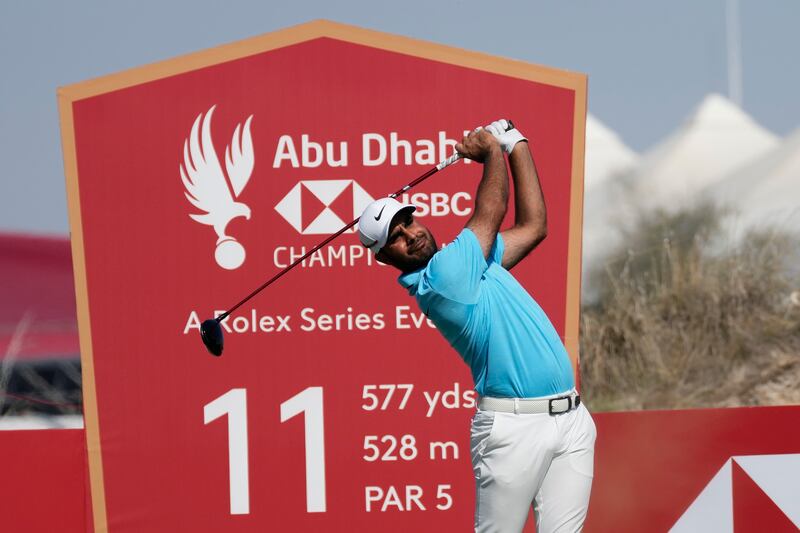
x=491 y=199
x=530 y=215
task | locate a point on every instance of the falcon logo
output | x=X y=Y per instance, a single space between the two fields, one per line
x=322 y=207
x=209 y=190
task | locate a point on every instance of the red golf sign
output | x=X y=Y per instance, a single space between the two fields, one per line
x=336 y=405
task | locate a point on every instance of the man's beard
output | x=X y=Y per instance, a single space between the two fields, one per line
x=421 y=257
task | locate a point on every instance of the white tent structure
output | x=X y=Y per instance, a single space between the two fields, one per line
x=764 y=193
x=606 y=155
x=608 y=160
x=717 y=138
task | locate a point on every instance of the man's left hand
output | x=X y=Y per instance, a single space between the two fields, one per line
x=478 y=145
x=507 y=135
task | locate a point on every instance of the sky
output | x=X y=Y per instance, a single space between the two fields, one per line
x=649 y=63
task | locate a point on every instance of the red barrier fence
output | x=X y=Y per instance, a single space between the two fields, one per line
x=44 y=482
x=697 y=470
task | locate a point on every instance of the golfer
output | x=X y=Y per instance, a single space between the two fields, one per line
x=532 y=441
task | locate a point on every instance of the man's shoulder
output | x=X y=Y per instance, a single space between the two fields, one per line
x=455 y=271
x=464 y=244
x=466 y=249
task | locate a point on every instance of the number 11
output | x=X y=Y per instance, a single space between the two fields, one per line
x=234 y=404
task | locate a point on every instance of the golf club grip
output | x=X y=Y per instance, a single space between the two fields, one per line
x=447 y=162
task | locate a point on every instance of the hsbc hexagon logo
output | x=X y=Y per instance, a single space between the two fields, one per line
x=321 y=207
x=749 y=493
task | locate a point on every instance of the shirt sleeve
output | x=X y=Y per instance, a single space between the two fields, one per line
x=499 y=246
x=456 y=270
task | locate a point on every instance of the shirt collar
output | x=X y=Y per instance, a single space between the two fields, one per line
x=410 y=280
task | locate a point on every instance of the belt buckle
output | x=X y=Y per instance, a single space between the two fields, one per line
x=550 y=405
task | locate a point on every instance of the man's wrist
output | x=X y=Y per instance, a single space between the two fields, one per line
x=494 y=150
x=522 y=145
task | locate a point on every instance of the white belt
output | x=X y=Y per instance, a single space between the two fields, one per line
x=553 y=406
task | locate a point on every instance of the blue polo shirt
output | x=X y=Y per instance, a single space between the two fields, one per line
x=492 y=322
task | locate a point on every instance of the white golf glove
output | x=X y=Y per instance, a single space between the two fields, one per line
x=507 y=135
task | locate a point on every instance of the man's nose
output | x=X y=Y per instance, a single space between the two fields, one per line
x=409 y=234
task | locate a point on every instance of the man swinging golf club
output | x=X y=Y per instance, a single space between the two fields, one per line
x=532 y=442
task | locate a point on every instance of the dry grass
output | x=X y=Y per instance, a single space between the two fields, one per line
x=678 y=325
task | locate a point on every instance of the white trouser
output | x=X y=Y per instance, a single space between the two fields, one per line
x=524 y=459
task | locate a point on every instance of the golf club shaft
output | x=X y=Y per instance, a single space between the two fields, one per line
x=447 y=162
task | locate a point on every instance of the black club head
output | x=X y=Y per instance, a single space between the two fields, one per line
x=211 y=333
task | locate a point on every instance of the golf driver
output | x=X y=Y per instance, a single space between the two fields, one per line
x=211 y=330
